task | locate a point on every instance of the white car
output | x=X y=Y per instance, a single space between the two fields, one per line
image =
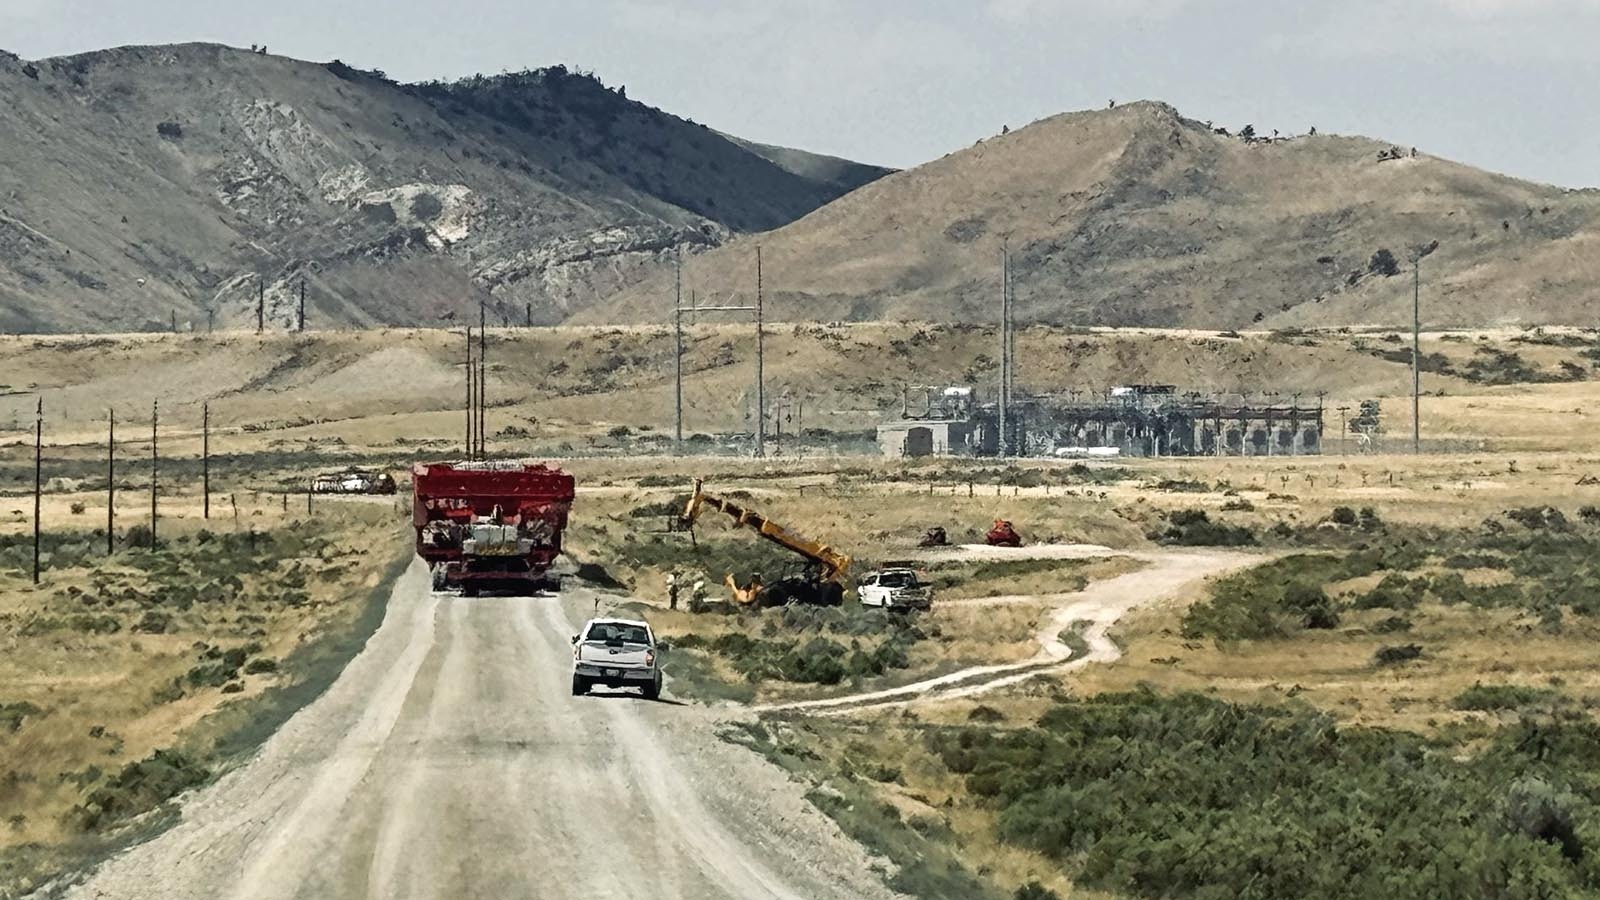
x=616 y=653
x=894 y=589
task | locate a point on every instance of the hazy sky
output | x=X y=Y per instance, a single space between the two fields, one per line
x=1510 y=85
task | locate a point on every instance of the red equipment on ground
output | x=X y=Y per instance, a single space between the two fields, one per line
x=490 y=525
x=1003 y=535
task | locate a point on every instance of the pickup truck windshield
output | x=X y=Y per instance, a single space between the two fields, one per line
x=897 y=580
x=628 y=634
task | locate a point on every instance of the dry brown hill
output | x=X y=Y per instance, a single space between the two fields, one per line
x=143 y=183
x=1137 y=216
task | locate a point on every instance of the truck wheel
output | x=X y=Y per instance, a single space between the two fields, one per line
x=439 y=579
x=832 y=594
x=468 y=589
x=652 y=690
x=579 y=686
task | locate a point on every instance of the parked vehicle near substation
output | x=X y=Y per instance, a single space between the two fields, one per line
x=894 y=589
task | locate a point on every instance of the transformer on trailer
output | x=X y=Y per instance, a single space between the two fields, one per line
x=490 y=525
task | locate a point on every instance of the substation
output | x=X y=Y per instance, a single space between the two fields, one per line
x=1132 y=420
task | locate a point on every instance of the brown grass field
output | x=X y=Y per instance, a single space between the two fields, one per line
x=286 y=406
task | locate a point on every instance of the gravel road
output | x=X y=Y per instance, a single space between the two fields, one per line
x=450 y=760
x=1098 y=606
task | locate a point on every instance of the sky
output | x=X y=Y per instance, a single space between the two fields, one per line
x=1508 y=85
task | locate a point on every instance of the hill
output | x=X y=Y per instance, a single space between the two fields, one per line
x=1138 y=216
x=843 y=174
x=143 y=184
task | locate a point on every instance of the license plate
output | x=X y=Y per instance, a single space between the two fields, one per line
x=613 y=673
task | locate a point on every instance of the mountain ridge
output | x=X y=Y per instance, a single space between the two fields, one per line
x=144 y=184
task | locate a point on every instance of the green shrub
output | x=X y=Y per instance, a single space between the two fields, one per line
x=1395 y=655
x=140 y=787
x=13 y=715
x=1491 y=697
x=1142 y=795
x=1194 y=528
x=261 y=666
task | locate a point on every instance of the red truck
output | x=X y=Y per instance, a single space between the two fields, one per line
x=490 y=525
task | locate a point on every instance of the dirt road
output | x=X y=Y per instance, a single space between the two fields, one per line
x=450 y=760
x=1095 y=609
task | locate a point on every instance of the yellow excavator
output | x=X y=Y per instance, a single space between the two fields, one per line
x=820 y=581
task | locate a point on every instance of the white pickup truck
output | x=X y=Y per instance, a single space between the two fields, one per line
x=894 y=589
x=616 y=653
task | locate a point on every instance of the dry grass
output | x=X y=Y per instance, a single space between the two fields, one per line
x=109 y=699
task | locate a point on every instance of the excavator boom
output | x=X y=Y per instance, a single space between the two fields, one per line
x=833 y=563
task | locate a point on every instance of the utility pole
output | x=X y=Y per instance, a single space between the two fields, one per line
x=483 y=380
x=205 y=459
x=1344 y=430
x=527 y=313
x=466 y=444
x=301 y=323
x=111 y=481
x=211 y=321
x=174 y=321
x=1005 y=343
x=261 y=305
x=38 y=480
x=761 y=388
x=1416 y=353
x=677 y=356
x=155 y=459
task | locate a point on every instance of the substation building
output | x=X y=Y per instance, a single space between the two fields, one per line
x=1133 y=420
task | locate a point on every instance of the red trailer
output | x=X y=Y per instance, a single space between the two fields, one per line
x=490 y=525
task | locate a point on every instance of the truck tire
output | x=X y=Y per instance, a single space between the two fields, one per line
x=439 y=582
x=831 y=594
x=579 y=686
x=652 y=690
x=468 y=589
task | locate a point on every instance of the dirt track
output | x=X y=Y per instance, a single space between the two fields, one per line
x=450 y=760
x=1099 y=606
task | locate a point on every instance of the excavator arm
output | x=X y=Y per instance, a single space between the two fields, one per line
x=833 y=563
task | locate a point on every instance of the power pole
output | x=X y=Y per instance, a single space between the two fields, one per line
x=155 y=460
x=261 y=305
x=761 y=388
x=211 y=321
x=301 y=323
x=174 y=321
x=1005 y=344
x=1416 y=354
x=527 y=313
x=467 y=444
x=111 y=480
x=677 y=356
x=483 y=379
x=1344 y=430
x=205 y=459
x=38 y=480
